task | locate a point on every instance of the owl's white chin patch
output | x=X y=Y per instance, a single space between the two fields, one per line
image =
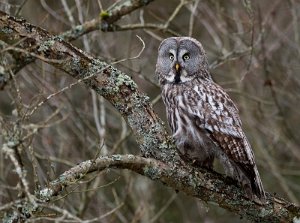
x=171 y=78
x=185 y=78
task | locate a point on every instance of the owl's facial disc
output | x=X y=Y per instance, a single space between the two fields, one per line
x=175 y=62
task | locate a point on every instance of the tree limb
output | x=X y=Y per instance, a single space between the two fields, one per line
x=120 y=9
x=124 y=95
x=207 y=186
x=104 y=22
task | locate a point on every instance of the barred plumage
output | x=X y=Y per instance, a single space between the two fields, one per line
x=203 y=119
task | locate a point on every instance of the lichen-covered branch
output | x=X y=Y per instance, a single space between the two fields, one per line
x=109 y=82
x=120 y=9
x=134 y=106
x=104 y=22
x=106 y=19
x=194 y=182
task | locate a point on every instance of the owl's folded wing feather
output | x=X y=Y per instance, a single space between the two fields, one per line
x=214 y=111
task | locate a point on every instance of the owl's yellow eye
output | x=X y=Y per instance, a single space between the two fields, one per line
x=171 y=56
x=186 y=56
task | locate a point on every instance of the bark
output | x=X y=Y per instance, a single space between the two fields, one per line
x=161 y=161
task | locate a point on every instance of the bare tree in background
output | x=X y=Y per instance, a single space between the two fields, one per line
x=71 y=120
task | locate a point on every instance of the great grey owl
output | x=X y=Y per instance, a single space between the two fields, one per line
x=204 y=121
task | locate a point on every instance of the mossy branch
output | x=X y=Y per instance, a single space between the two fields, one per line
x=120 y=90
x=104 y=22
x=207 y=186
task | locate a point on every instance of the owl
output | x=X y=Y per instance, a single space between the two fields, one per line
x=204 y=120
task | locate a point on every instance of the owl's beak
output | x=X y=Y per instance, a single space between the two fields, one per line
x=177 y=75
x=177 y=67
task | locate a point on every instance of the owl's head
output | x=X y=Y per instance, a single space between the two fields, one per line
x=180 y=60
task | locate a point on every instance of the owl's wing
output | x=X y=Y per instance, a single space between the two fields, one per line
x=213 y=110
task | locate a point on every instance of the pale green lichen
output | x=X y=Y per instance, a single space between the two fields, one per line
x=46 y=45
x=72 y=34
x=7 y=30
x=12 y=143
x=28 y=208
x=116 y=157
x=75 y=64
x=119 y=79
x=25 y=210
x=152 y=173
x=265 y=212
x=114 y=83
x=123 y=79
x=118 y=6
x=193 y=182
x=10 y=217
x=61 y=179
x=130 y=156
x=45 y=194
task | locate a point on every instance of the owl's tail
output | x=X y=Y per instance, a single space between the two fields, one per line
x=249 y=179
x=257 y=186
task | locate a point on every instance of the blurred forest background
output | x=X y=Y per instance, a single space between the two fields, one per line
x=254 y=53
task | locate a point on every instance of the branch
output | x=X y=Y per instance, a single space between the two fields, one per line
x=104 y=23
x=118 y=10
x=105 y=20
x=124 y=95
x=199 y=183
x=107 y=81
